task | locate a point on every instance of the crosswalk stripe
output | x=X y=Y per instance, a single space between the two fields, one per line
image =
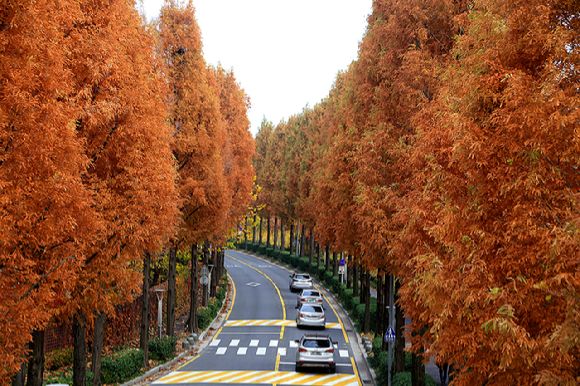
x=221 y=351
x=215 y=342
x=270 y=322
x=343 y=353
x=261 y=351
x=254 y=342
x=259 y=377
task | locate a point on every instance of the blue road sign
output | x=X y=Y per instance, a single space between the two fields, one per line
x=341 y=262
x=390 y=335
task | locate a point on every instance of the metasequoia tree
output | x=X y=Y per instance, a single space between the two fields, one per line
x=84 y=129
x=497 y=268
x=46 y=213
x=131 y=175
x=199 y=135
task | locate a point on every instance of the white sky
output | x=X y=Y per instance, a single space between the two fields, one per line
x=285 y=54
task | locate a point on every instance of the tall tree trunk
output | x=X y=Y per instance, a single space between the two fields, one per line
x=334 y=263
x=79 y=351
x=291 y=238
x=367 y=296
x=36 y=361
x=98 y=347
x=380 y=304
x=204 y=298
x=145 y=310
x=349 y=271
x=171 y=291
x=311 y=254
x=214 y=277
x=192 y=322
x=282 y=235
x=260 y=238
x=275 y=233
x=318 y=257
x=399 y=332
x=303 y=241
x=417 y=366
x=246 y=233
x=268 y=233
x=327 y=258
x=355 y=283
x=20 y=377
x=254 y=231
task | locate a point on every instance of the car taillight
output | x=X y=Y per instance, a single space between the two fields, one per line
x=321 y=317
x=301 y=349
x=302 y=315
x=319 y=300
x=310 y=281
x=302 y=300
x=330 y=350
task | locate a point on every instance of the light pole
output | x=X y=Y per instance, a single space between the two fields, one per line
x=159 y=293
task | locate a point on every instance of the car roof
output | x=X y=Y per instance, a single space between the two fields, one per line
x=315 y=336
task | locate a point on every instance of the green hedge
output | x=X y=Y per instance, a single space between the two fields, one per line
x=205 y=315
x=404 y=379
x=121 y=366
x=162 y=349
x=285 y=257
x=262 y=250
x=294 y=261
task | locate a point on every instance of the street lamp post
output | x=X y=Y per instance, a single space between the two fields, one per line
x=159 y=293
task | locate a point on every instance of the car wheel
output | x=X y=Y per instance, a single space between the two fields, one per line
x=332 y=369
x=298 y=367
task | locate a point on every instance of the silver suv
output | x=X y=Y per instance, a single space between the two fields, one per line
x=316 y=351
x=299 y=281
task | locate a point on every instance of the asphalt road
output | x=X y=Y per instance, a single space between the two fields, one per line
x=256 y=343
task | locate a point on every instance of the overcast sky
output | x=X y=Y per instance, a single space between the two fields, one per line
x=285 y=54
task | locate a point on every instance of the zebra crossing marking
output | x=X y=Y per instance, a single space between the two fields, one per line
x=259 y=377
x=215 y=342
x=242 y=350
x=235 y=342
x=221 y=351
x=273 y=343
x=282 y=351
x=254 y=342
x=343 y=353
x=261 y=351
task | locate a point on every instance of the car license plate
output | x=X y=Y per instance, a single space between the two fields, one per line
x=311 y=300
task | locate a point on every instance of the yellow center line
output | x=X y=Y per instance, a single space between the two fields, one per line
x=275 y=286
x=337 y=317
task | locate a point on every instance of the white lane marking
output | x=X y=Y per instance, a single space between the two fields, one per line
x=273 y=343
x=215 y=342
x=254 y=342
x=343 y=353
x=261 y=351
x=221 y=351
x=282 y=351
x=242 y=350
x=293 y=344
x=234 y=342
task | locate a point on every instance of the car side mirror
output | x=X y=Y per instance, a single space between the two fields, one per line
x=297 y=341
x=290 y=276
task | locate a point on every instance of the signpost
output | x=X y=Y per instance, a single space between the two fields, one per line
x=204 y=280
x=390 y=334
x=341 y=270
x=159 y=293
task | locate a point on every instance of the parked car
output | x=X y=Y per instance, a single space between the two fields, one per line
x=310 y=315
x=299 y=281
x=316 y=351
x=309 y=297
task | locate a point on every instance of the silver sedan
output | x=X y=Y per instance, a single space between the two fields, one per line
x=299 y=281
x=311 y=316
x=309 y=297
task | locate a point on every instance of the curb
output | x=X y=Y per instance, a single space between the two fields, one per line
x=165 y=365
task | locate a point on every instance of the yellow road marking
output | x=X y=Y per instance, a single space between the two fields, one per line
x=337 y=317
x=275 y=286
x=270 y=323
x=355 y=370
x=260 y=377
x=277 y=362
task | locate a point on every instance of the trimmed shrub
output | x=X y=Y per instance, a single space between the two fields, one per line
x=346 y=296
x=262 y=250
x=162 y=349
x=404 y=379
x=294 y=261
x=58 y=358
x=303 y=264
x=285 y=257
x=269 y=252
x=121 y=366
x=321 y=272
x=328 y=278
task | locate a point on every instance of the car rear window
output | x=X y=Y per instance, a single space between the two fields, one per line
x=311 y=309
x=310 y=293
x=302 y=277
x=316 y=343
